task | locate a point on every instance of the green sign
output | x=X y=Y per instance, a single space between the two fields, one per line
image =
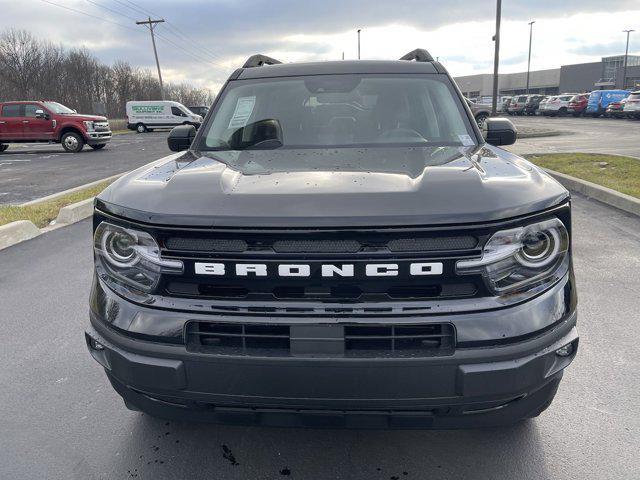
x=147 y=108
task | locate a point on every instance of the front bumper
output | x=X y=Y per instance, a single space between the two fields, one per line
x=482 y=386
x=95 y=138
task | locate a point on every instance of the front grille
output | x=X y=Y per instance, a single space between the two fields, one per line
x=206 y=244
x=430 y=244
x=344 y=341
x=316 y=249
x=274 y=243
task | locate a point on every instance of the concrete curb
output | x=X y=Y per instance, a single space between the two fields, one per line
x=75 y=212
x=71 y=190
x=16 y=232
x=603 y=194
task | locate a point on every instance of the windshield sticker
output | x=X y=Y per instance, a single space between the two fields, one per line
x=243 y=111
x=466 y=140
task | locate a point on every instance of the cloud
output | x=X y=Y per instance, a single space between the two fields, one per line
x=600 y=49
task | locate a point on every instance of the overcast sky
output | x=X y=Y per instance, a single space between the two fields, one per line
x=204 y=40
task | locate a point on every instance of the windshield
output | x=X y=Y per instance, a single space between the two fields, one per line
x=58 y=108
x=338 y=111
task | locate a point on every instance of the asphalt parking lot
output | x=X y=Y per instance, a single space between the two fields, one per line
x=595 y=135
x=31 y=170
x=61 y=419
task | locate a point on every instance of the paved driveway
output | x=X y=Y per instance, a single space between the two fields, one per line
x=597 y=135
x=60 y=418
x=34 y=170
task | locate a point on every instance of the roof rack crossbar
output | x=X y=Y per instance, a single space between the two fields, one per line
x=419 y=55
x=259 y=61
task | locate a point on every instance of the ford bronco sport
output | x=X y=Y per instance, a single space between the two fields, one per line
x=339 y=245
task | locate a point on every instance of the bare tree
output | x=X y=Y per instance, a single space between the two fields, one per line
x=33 y=69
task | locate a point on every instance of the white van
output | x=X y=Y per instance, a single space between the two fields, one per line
x=144 y=116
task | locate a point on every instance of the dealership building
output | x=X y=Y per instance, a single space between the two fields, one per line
x=578 y=78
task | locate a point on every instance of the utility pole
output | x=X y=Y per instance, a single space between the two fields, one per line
x=529 y=61
x=359 y=44
x=626 y=57
x=151 y=24
x=496 y=59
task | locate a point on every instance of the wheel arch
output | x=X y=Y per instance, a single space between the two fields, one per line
x=70 y=128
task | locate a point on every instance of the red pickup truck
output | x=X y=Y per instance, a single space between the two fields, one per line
x=33 y=121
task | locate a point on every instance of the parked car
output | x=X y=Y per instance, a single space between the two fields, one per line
x=51 y=122
x=542 y=104
x=505 y=105
x=599 y=100
x=200 y=110
x=480 y=112
x=578 y=104
x=309 y=259
x=632 y=105
x=557 y=105
x=144 y=116
x=502 y=103
x=532 y=104
x=616 y=109
x=517 y=105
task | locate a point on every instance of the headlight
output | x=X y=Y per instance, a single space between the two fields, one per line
x=521 y=258
x=131 y=257
x=89 y=126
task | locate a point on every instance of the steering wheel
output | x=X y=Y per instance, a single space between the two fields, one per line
x=403 y=133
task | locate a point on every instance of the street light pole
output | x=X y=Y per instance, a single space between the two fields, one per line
x=626 y=57
x=496 y=59
x=529 y=61
x=151 y=24
x=359 y=44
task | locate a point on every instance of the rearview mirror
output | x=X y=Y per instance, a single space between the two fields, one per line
x=499 y=131
x=181 y=137
x=41 y=114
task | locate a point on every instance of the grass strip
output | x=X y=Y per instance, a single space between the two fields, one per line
x=41 y=214
x=618 y=173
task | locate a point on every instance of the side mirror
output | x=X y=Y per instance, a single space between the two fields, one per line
x=499 y=131
x=181 y=137
x=41 y=114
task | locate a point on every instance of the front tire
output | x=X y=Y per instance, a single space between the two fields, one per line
x=99 y=146
x=72 y=142
x=3 y=147
x=141 y=128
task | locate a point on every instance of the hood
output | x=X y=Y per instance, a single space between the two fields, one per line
x=334 y=187
x=83 y=117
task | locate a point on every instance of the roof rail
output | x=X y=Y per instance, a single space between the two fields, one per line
x=259 y=60
x=419 y=55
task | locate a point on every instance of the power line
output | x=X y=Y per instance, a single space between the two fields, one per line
x=110 y=10
x=176 y=32
x=90 y=15
x=134 y=7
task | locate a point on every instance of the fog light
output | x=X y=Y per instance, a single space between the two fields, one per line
x=97 y=345
x=565 y=351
